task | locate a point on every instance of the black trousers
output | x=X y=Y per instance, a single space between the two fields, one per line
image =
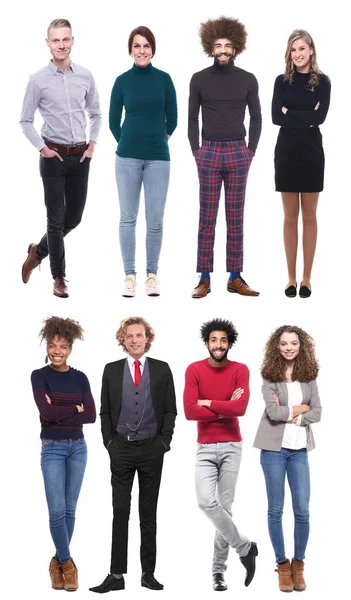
x=65 y=190
x=145 y=457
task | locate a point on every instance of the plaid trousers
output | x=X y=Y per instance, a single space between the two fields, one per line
x=218 y=162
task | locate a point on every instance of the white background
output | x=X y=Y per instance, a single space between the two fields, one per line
x=95 y=273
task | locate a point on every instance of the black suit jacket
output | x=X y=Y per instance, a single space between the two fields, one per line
x=162 y=394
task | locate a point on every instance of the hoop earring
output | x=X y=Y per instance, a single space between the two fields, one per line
x=46 y=359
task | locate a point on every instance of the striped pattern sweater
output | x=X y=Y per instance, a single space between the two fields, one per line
x=61 y=420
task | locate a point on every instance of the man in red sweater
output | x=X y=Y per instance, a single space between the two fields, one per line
x=217 y=393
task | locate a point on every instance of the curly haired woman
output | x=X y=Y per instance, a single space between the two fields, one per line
x=284 y=435
x=65 y=403
x=300 y=104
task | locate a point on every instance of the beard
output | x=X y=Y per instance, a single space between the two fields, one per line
x=221 y=64
x=219 y=359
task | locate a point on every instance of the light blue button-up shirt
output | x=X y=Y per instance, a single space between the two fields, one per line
x=63 y=99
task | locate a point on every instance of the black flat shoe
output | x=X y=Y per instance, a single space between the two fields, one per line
x=249 y=562
x=219 y=585
x=304 y=291
x=291 y=291
x=109 y=584
x=148 y=580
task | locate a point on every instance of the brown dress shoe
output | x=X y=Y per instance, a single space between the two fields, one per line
x=57 y=581
x=70 y=574
x=239 y=286
x=297 y=575
x=60 y=288
x=31 y=263
x=285 y=578
x=202 y=289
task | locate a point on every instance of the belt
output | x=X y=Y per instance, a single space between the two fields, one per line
x=67 y=149
x=129 y=438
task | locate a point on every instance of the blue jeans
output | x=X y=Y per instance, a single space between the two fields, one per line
x=131 y=173
x=63 y=464
x=294 y=464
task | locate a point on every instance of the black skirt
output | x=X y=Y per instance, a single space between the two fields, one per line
x=299 y=160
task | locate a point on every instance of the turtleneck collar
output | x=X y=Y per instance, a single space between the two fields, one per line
x=142 y=70
x=224 y=68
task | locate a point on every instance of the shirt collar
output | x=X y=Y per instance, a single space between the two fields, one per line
x=55 y=69
x=131 y=360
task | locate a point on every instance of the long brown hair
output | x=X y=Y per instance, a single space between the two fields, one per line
x=315 y=72
x=305 y=366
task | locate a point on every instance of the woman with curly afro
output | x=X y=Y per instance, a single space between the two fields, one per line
x=284 y=435
x=63 y=397
x=300 y=104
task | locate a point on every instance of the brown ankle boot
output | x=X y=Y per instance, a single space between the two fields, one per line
x=285 y=579
x=70 y=574
x=297 y=575
x=56 y=575
x=60 y=287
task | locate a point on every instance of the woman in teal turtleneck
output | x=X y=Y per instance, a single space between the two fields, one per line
x=142 y=157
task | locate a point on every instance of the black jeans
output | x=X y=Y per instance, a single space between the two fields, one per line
x=65 y=188
x=145 y=457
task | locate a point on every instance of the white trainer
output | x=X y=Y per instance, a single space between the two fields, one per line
x=129 y=286
x=152 y=285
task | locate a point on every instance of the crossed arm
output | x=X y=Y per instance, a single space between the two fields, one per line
x=302 y=414
x=196 y=409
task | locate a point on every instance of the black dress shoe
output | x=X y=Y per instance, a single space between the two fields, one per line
x=109 y=584
x=305 y=291
x=219 y=585
x=148 y=580
x=249 y=562
x=291 y=291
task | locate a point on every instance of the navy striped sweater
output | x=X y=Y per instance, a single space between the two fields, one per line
x=61 y=420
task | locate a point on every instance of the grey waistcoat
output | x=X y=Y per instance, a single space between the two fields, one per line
x=137 y=416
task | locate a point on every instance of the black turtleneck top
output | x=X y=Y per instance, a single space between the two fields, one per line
x=223 y=93
x=300 y=101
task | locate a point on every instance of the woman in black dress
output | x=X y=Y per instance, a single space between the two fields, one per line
x=300 y=104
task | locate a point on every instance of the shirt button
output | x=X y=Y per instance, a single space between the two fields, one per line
x=135 y=422
x=136 y=413
x=136 y=393
x=136 y=404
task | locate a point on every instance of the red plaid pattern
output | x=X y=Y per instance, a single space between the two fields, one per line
x=218 y=162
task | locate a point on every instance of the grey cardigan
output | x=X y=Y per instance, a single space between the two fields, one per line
x=270 y=432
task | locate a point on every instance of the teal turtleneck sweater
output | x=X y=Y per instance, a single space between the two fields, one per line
x=149 y=98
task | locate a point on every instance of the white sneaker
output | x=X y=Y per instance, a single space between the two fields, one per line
x=129 y=286
x=152 y=285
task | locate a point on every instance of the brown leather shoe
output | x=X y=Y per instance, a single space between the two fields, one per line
x=57 y=581
x=202 y=289
x=70 y=573
x=297 y=567
x=31 y=263
x=239 y=286
x=285 y=578
x=60 y=288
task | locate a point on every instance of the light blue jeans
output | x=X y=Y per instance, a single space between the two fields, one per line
x=63 y=464
x=276 y=466
x=216 y=473
x=131 y=173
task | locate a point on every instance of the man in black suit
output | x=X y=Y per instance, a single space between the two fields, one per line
x=138 y=411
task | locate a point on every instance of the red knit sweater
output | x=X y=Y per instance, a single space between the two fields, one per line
x=204 y=382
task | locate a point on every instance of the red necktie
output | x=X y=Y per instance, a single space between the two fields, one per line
x=137 y=372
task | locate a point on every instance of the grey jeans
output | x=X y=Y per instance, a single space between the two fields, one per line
x=216 y=473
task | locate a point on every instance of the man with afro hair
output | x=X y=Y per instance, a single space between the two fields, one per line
x=217 y=393
x=223 y=91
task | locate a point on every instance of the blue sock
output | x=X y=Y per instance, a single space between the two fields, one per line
x=205 y=275
x=233 y=275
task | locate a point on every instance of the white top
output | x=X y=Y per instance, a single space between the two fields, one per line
x=131 y=362
x=294 y=435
